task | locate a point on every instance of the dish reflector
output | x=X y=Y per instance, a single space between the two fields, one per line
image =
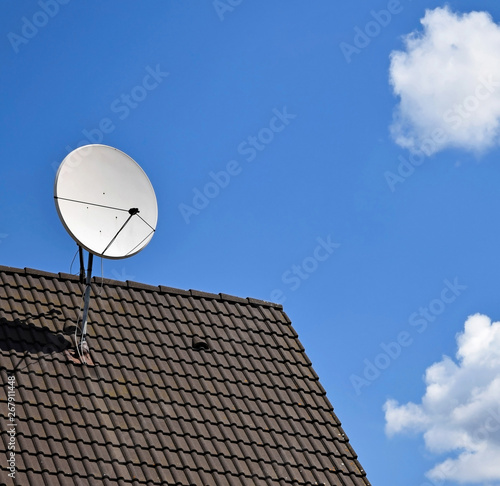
x=105 y=201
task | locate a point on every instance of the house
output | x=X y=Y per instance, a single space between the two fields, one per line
x=181 y=388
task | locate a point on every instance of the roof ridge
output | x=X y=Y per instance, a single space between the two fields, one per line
x=143 y=286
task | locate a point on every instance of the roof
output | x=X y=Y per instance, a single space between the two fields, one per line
x=187 y=388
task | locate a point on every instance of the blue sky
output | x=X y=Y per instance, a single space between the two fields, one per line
x=296 y=158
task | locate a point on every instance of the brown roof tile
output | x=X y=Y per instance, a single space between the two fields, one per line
x=188 y=388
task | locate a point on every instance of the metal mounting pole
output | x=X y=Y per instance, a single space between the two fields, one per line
x=87 y=297
x=82 y=267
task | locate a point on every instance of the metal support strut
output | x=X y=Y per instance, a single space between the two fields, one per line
x=86 y=301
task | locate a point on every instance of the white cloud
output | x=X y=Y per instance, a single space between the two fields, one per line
x=448 y=83
x=459 y=414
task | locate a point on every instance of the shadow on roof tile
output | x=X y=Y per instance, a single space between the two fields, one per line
x=24 y=336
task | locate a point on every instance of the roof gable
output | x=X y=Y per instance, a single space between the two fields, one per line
x=187 y=388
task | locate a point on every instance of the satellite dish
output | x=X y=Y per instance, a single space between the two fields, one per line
x=105 y=201
x=108 y=206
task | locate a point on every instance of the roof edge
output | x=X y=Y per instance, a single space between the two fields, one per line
x=142 y=286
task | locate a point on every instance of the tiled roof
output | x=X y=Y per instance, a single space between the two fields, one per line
x=188 y=388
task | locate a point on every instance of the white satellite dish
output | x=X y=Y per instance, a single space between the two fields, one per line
x=105 y=201
x=108 y=206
